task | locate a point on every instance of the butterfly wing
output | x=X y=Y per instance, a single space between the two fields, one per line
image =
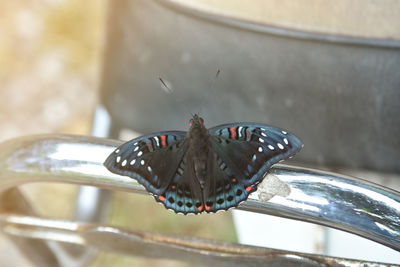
x=240 y=155
x=151 y=159
x=243 y=154
x=183 y=194
x=159 y=162
x=224 y=189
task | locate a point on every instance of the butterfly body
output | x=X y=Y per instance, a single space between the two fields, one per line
x=203 y=169
x=199 y=150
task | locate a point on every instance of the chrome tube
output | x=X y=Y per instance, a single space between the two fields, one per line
x=159 y=246
x=333 y=200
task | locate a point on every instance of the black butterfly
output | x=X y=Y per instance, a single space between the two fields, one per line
x=203 y=170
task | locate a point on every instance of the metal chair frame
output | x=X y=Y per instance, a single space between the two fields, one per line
x=346 y=203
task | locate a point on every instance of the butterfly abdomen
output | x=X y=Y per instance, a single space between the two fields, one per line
x=199 y=146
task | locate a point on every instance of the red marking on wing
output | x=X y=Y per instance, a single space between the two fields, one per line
x=163 y=140
x=207 y=208
x=149 y=145
x=248 y=189
x=233 y=133
x=190 y=124
x=200 y=208
x=161 y=198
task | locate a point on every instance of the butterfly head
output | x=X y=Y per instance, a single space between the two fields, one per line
x=196 y=121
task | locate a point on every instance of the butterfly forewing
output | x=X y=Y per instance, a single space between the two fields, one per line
x=250 y=149
x=151 y=159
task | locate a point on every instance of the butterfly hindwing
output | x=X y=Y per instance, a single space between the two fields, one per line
x=183 y=195
x=228 y=190
x=250 y=149
x=151 y=159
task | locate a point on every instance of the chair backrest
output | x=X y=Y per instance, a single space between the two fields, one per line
x=339 y=94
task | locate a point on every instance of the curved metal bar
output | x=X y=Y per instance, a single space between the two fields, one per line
x=337 y=201
x=156 y=246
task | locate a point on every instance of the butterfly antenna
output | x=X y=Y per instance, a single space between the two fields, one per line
x=215 y=79
x=165 y=87
x=218 y=71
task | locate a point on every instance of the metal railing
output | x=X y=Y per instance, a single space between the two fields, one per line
x=329 y=199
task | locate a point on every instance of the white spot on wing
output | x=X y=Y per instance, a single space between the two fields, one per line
x=263 y=134
x=117 y=151
x=284 y=132
x=157 y=140
x=142 y=162
x=261 y=140
x=140 y=153
x=118 y=159
x=271 y=147
x=149 y=168
x=133 y=161
x=280 y=146
x=260 y=149
x=136 y=148
x=135 y=144
x=124 y=162
x=254 y=157
x=286 y=141
x=240 y=131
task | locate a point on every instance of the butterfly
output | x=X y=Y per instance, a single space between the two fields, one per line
x=203 y=170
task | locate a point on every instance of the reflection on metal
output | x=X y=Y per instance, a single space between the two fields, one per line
x=92 y=203
x=151 y=245
x=337 y=201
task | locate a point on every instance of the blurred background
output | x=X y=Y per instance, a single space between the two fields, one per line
x=50 y=60
x=323 y=70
